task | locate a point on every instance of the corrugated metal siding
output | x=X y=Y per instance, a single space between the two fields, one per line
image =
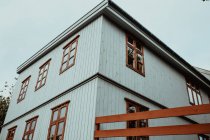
x=162 y=83
x=87 y=62
x=111 y=100
x=80 y=118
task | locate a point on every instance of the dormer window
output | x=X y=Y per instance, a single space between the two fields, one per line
x=135 y=54
x=194 y=94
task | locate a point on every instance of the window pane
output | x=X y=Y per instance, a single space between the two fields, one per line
x=199 y=99
x=45 y=73
x=60 y=128
x=190 y=94
x=72 y=53
x=30 y=137
x=71 y=61
x=52 y=131
x=27 y=127
x=66 y=51
x=195 y=98
x=63 y=112
x=40 y=78
x=74 y=45
x=55 y=115
x=130 y=56
x=26 y=136
x=33 y=125
x=140 y=58
x=139 y=45
x=65 y=59
x=130 y=40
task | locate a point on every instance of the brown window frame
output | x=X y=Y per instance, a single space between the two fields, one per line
x=59 y=120
x=140 y=108
x=11 y=130
x=193 y=94
x=28 y=130
x=41 y=82
x=23 y=89
x=65 y=64
x=136 y=51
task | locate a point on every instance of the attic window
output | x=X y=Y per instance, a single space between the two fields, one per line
x=69 y=55
x=194 y=94
x=43 y=71
x=23 y=89
x=135 y=54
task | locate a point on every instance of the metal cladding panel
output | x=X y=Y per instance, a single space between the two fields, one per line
x=162 y=83
x=111 y=101
x=80 y=121
x=86 y=65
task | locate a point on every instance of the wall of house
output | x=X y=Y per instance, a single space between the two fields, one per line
x=80 y=117
x=111 y=101
x=86 y=65
x=162 y=83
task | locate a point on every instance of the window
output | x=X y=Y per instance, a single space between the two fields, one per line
x=135 y=54
x=194 y=94
x=23 y=89
x=58 y=121
x=69 y=55
x=132 y=107
x=30 y=128
x=203 y=137
x=43 y=70
x=11 y=133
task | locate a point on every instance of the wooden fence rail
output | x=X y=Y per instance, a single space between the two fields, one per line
x=155 y=131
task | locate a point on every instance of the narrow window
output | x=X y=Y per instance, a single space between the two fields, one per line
x=58 y=121
x=203 y=137
x=69 y=55
x=132 y=107
x=23 y=89
x=11 y=133
x=194 y=94
x=30 y=128
x=42 y=77
x=135 y=54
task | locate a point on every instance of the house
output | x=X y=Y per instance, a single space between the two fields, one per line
x=105 y=63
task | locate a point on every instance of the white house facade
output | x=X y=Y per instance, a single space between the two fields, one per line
x=104 y=64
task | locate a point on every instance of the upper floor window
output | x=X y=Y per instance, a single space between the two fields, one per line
x=58 y=121
x=30 y=128
x=43 y=71
x=135 y=54
x=69 y=55
x=133 y=107
x=11 y=133
x=194 y=94
x=23 y=89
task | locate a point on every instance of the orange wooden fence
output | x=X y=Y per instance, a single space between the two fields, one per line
x=155 y=131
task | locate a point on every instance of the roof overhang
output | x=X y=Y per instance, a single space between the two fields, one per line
x=125 y=21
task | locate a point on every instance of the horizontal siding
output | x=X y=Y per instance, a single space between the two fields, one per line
x=111 y=101
x=87 y=62
x=162 y=83
x=80 y=118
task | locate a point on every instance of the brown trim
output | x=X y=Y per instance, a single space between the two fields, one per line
x=11 y=130
x=32 y=118
x=22 y=93
x=58 y=120
x=30 y=131
x=68 y=48
x=41 y=74
x=66 y=102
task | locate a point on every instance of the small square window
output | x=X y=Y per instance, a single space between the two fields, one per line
x=23 y=89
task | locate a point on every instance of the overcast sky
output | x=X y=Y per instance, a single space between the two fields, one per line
x=28 y=25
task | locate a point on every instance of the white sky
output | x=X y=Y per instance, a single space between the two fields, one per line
x=28 y=25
